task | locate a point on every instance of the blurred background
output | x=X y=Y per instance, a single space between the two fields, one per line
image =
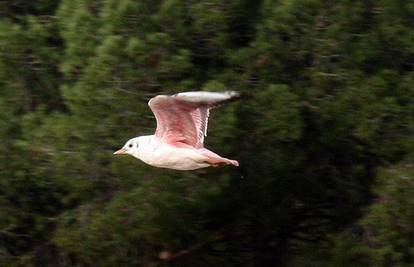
x=323 y=134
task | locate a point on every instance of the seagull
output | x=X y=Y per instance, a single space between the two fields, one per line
x=178 y=142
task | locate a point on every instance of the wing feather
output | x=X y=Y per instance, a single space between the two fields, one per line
x=182 y=119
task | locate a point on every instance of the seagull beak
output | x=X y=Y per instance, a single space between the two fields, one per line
x=121 y=151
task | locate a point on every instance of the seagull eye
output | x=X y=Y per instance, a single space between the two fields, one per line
x=130 y=145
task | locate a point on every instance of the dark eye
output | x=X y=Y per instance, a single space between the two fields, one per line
x=130 y=145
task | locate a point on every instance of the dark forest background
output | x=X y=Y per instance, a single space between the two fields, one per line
x=323 y=133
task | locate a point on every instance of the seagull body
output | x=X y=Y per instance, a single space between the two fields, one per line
x=178 y=142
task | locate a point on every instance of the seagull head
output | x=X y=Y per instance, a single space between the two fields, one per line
x=131 y=147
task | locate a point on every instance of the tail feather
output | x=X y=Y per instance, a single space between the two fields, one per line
x=216 y=160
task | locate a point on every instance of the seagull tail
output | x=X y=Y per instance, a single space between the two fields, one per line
x=234 y=162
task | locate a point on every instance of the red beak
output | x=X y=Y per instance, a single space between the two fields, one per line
x=121 y=151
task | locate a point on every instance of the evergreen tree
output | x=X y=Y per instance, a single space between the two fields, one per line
x=327 y=99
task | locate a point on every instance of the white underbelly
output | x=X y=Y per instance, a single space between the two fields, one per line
x=170 y=157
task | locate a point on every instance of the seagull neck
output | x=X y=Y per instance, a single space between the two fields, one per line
x=147 y=146
x=148 y=141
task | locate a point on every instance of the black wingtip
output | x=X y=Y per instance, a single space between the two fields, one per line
x=233 y=94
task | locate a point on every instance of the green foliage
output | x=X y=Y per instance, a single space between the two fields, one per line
x=389 y=220
x=386 y=238
x=328 y=98
x=142 y=223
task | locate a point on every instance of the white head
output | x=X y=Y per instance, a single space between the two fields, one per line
x=131 y=147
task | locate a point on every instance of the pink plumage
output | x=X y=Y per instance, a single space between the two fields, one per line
x=178 y=142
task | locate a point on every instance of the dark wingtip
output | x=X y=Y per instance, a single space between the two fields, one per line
x=233 y=94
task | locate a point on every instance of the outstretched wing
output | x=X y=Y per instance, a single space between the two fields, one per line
x=182 y=118
x=175 y=124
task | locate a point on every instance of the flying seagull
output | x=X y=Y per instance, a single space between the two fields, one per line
x=181 y=126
